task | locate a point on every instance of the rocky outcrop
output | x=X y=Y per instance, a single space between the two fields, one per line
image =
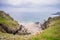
x=6 y=16
x=46 y=23
x=9 y=25
x=23 y=31
x=19 y=31
x=8 y=30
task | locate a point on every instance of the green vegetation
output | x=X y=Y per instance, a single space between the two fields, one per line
x=7 y=20
x=10 y=23
x=6 y=36
x=51 y=33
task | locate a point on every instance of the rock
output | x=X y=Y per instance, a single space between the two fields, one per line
x=22 y=31
x=8 y=30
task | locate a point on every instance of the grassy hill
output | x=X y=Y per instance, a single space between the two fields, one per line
x=51 y=33
x=8 y=21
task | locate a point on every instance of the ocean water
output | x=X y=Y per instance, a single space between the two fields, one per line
x=26 y=17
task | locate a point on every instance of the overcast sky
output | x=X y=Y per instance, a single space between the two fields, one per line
x=30 y=10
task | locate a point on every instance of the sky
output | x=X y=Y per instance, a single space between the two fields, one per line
x=30 y=10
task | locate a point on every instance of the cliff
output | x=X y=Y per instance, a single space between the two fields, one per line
x=51 y=29
x=9 y=25
x=8 y=21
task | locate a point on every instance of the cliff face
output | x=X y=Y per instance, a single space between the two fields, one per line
x=52 y=30
x=8 y=21
x=49 y=22
x=46 y=23
x=9 y=25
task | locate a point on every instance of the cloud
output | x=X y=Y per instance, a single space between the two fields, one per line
x=30 y=9
x=33 y=2
x=16 y=6
x=29 y=3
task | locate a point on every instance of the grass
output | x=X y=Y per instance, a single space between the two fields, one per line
x=10 y=23
x=5 y=36
x=51 y=33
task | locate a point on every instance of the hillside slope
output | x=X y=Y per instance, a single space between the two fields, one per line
x=51 y=29
x=8 y=21
x=50 y=33
x=10 y=29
